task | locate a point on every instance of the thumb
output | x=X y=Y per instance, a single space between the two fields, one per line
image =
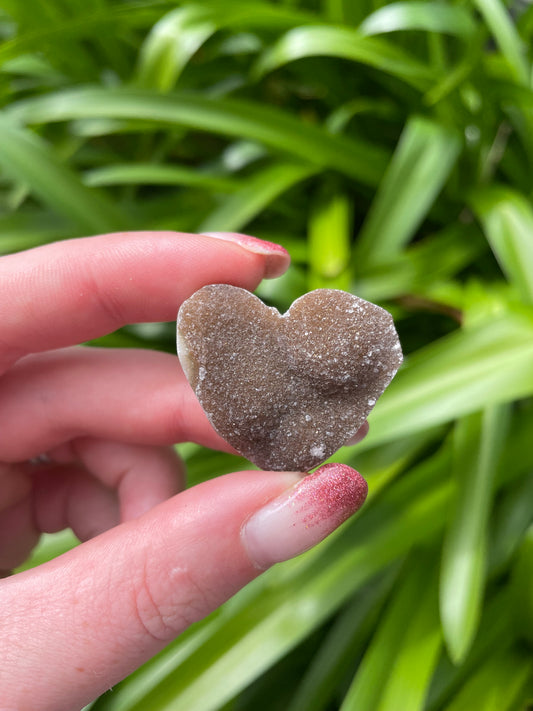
x=107 y=606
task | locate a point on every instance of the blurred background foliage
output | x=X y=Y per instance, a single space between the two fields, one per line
x=389 y=147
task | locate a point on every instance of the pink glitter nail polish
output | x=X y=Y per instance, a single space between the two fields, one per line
x=304 y=515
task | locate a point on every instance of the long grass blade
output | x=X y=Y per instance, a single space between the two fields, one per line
x=80 y=25
x=429 y=261
x=272 y=127
x=408 y=634
x=343 y=646
x=478 y=442
x=50 y=546
x=499 y=21
x=459 y=374
x=23 y=230
x=522 y=575
x=28 y=159
x=420 y=166
x=348 y=44
x=172 y=41
x=429 y=16
x=153 y=174
x=507 y=220
x=329 y=238
x=501 y=684
x=259 y=192
x=512 y=517
x=410 y=677
x=178 y=35
x=495 y=634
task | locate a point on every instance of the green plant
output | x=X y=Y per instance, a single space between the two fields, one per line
x=389 y=147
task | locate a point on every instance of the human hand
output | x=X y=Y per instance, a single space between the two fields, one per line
x=154 y=560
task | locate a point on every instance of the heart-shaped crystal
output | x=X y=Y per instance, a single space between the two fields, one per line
x=286 y=390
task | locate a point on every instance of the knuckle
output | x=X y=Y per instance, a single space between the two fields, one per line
x=166 y=610
x=108 y=302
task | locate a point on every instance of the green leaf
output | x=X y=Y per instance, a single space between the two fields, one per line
x=490 y=363
x=264 y=124
x=343 y=114
x=501 y=684
x=31 y=228
x=329 y=238
x=420 y=166
x=344 y=43
x=500 y=23
x=85 y=24
x=170 y=44
x=344 y=643
x=495 y=633
x=522 y=588
x=27 y=158
x=429 y=16
x=512 y=516
x=417 y=657
x=423 y=265
x=507 y=219
x=257 y=194
x=153 y=174
x=178 y=35
x=477 y=447
x=404 y=650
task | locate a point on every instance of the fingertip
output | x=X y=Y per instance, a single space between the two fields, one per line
x=303 y=515
x=104 y=282
x=276 y=257
x=359 y=435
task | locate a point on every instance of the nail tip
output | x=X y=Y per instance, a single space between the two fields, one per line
x=277 y=265
x=305 y=514
x=357 y=488
x=253 y=244
x=277 y=259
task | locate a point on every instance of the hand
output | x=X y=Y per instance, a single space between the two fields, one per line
x=153 y=560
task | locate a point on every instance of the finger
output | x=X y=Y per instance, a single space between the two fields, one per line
x=127 y=395
x=130 y=591
x=359 y=435
x=110 y=394
x=15 y=485
x=60 y=497
x=143 y=476
x=18 y=534
x=66 y=496
x=72 y=291
x=90 y=487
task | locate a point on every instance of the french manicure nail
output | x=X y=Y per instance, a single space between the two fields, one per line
x=277 y=257
x=304 y=515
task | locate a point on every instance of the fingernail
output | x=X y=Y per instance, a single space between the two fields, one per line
x=304 y=515
x=277 y=257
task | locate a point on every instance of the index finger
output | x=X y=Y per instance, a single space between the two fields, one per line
x=73 y=291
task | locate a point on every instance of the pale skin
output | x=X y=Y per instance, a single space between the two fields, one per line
x=152 y=559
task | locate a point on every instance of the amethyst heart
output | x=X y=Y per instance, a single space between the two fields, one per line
x=286 y=390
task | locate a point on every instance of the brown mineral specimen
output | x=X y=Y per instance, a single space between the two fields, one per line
x=286 y=390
